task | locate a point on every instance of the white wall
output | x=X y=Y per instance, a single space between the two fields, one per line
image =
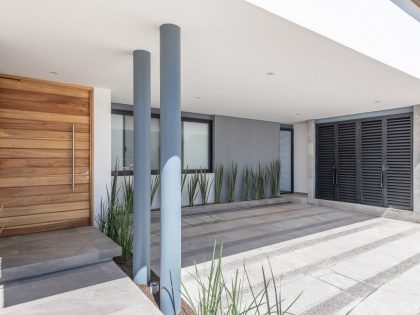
x=247 y=142
x=367 y=26
x=300 y=152
x=101 y=145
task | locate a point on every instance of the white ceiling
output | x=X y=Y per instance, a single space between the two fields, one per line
x=228 y=46
x=379 y=29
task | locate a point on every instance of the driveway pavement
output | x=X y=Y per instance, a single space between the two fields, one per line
x=343 y=262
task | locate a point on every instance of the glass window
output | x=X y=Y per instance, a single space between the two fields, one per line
x=196 y=140
x=129 y=142
x=117 y=140
x=286 y=160
x=154 y=143
x=195 y=145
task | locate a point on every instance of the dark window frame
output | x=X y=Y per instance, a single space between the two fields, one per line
x=210 y=144
x=209 y=122
x=122 y=172
x=292 y=175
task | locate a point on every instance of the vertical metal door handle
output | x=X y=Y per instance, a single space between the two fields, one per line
x=382 y=179
x=336 y=176
x=72 y=157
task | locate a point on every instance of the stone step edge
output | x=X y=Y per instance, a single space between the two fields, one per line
x=55 y=265
x=227 y=206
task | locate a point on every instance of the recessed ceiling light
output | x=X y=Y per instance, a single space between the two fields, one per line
x=269 y=73
x=377 y=101
x=297 y=114
x=198 y=97
x=53 y=72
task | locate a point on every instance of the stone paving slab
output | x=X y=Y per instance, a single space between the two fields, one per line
x=101 y=288
x=399 y=294
x=35 y=254
x=344 y=262
x=247 y=229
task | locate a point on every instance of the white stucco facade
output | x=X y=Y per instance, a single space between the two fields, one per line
x=101 y=146
x=300 y=148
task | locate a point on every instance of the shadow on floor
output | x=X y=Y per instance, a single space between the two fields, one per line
x=39 y=265
x=35 y=288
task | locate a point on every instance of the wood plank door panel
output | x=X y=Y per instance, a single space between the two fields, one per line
x=36 y=155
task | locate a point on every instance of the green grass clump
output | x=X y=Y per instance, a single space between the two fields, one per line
x=232 y=181
x=219 y=297
x=246 y=182
x=218 y=183
x=192 y=188
x=115 y=219
x=259 y=182
x=273 y=171
x=204 y=186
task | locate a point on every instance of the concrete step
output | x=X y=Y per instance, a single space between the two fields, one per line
x=101 y=288
x=37 y=254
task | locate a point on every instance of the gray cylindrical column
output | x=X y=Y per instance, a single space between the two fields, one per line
x=142 y=173
x=170 y=168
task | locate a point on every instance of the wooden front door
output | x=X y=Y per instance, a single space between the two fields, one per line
x=45 y=155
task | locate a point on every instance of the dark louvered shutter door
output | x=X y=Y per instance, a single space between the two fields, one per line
x=399 y=162
x=346 y=178
x=371 y=161
x=325 y=188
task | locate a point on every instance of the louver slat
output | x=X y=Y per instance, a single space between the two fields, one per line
x=371 y=152
x=346 y=162
x=399 y=162
x=325 y=188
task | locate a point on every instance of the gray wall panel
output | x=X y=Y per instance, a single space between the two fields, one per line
x=246 y=142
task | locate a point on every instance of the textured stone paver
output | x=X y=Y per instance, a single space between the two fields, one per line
x=343 y=262
x=30 y=255
x=66 y=272
x=246 y=229
x=96 y=289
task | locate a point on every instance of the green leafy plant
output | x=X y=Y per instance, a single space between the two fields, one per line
x=192 y=188
x=217 y=297
x=183 y=178
x=204 y=186
x=209 y=290
x=127 y=193
x=259 y=182
x=218 y=183
x=154 y=185
x=264 y=179
x=115 y=217
x=246 y=182
x=255 y=185
x=232 y=181
x=273 y=171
